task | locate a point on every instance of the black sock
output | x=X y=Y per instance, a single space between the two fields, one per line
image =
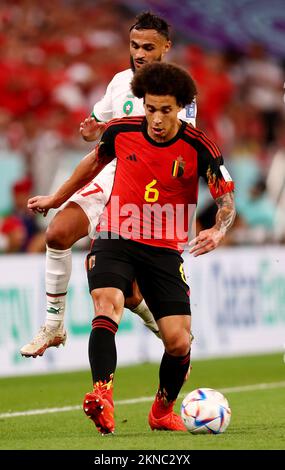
x=102 y=348
x=172 y=374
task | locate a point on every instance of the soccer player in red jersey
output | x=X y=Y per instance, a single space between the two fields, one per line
x=143 y=231
x=149 y=42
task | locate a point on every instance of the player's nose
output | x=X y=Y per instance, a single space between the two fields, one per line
x=139 y=54
x=157 y=118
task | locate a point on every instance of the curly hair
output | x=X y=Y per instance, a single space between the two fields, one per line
x=160 y=79
x=147 y=20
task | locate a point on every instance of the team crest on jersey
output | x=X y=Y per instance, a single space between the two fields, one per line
x=178 y=167
x=128 y=107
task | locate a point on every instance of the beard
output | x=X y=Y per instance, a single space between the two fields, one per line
x=132 y=64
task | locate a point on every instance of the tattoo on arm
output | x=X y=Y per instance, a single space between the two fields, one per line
x=226 y=212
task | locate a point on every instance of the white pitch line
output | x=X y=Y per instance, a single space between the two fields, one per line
x=42 y=411
x=133 y=401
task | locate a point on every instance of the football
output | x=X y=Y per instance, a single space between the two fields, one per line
x=205 y=411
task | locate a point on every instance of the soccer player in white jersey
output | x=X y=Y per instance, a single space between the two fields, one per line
x=149 y=41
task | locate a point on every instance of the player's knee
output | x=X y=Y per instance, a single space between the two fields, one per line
x=108 y=301
x=178 y=345
x=57 y=237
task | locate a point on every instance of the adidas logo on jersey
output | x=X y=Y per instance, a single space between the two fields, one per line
x=132 y=157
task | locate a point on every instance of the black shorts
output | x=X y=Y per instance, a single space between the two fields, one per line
x=158 y=271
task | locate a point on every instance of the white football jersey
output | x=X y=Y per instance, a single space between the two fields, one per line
x=119 y=101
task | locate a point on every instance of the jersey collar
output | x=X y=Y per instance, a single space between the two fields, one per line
x=162 y=144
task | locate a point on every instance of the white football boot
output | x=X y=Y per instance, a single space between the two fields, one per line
x=46 y=338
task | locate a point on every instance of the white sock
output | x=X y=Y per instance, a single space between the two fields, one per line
x=58 y=272
x=144 y=312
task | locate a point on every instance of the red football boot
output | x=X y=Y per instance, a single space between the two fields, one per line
x=99 y=406
x=163 y=418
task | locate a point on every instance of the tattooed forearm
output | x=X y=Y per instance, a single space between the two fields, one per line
x=226 y=212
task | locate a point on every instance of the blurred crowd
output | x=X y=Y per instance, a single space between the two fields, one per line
x=56 y=59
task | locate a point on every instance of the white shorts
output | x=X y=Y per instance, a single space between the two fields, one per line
x=93 y=197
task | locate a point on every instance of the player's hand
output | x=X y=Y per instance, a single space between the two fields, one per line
x=90 y=129
x=206 y=241
x=42 y=204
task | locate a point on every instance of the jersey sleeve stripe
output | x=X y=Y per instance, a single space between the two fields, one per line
x=213 y=149
x=128 y=120
x=122 y=127
x=199 y=135
x=126 y=123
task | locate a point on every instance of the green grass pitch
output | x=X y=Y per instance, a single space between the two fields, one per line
x=258 y=414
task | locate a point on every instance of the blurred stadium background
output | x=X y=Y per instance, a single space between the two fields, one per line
x=56 y=60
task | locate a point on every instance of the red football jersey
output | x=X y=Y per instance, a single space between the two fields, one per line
x=155 y=187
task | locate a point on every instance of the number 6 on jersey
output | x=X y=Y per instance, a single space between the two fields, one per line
x=151 y=194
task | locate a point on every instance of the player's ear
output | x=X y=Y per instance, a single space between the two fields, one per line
x=167 y=46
